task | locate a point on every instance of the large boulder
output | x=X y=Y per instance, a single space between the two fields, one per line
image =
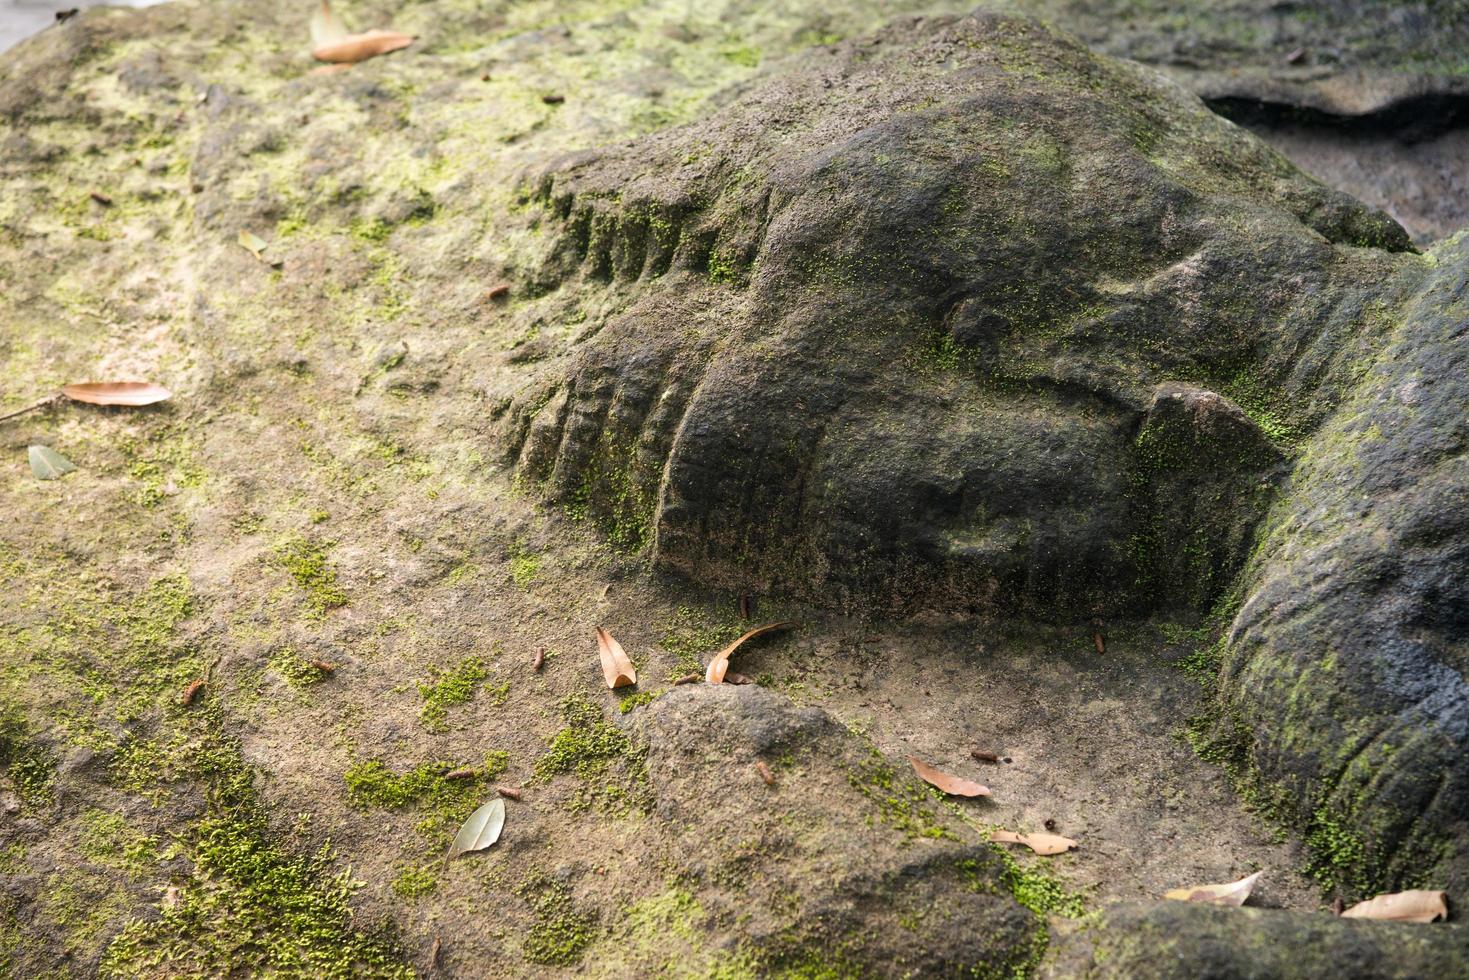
x=1344 y=681
x=957 y=315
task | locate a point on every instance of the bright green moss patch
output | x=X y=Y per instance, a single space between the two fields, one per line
x=561 y=932
x=253 y=907
x=610 y=767
x=296 y=670
x=306 y=562
x=636 y=700
x=523 y=568
x=30 y=767
x=415 y=881
x=903 y=804
x=370 y=783
x=450 y=686
x=107 y=839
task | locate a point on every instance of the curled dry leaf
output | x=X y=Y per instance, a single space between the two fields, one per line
x=130 y=393
x=952 y=785
x=1043 y=844
x=325 y=28
x=1417 y=905
x=616 y=667
x=481 y=829
x=48 y=464
x=1232 y=894
x=353 y=48
x=719 y=666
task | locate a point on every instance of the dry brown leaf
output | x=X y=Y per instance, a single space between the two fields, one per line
x=1417 y=905
x=1043 y=844
x=616 y=666
x=132 y=393
x=719 y=666
x=325 y=28
x=952 y=785
x=359 y=47
x=1234 y=893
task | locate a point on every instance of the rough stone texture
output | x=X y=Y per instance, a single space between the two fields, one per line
x=1342 y=57
x=838 y=865
x=906 y=307
x=1177 y=940
x=1345 y=671
x=1030 y=330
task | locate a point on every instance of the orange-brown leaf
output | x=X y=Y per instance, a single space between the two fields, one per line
x=719 y=666
x=116 y=392
x=1234 y=893
x=952 y=785
x=359 y=47
x=617 y=668
x=1417 y=905
x=1043 y=844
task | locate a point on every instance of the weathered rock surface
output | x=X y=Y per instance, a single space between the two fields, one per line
x=955 y=318
x=842 y=863
x=1177 y=940
x=1345 y=671
x=905 y=310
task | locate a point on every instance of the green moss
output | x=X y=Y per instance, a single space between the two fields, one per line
x=903 y=804
x=415 y=881
x=450 y=686
x=31 y=768
x=375 y=230
x=253 y=907
x=370 y=783
x=691 y=635
x=611 y=769
x=1337 y=854
x=295 y=670
x=636 y=700
x=107 y=839
x=523 y=568
x=306 y=562
x=561 y=932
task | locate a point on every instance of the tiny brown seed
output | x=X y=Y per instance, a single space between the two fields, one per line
x=744 y=607
x=979 y=755
x=765 y=773
x=102 y=199
x=689 y=679
x=553 y=99
x=539 y=660
x=1101 y=643
x=433 y=953
x=509 y=792
x=323 y=666
x=498 y=292
x=191 y=692
x=467 y=772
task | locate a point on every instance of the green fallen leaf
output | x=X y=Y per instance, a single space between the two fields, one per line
x=256 y=246
x=481 y=829
x=48 y=464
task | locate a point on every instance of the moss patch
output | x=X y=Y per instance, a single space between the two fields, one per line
x=450 y=686
x=306 y=562
x=561 y=932
x=611 y=769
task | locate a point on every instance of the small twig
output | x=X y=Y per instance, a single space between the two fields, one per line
x=689 y=679
x=540 y=659
x=766 y=775
x=466 y=773
x=323 y=666
x=31 y=408
x=509 y=792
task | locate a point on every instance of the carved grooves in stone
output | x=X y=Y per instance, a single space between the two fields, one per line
x=617 y=236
